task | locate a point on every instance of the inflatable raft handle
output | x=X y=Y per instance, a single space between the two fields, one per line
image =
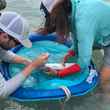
x=67 y=93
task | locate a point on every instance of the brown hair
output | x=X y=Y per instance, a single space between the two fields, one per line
x=58 y=20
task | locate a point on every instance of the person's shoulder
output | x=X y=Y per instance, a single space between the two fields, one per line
x=1 y=49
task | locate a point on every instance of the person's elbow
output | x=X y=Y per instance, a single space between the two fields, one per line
x=4 y=93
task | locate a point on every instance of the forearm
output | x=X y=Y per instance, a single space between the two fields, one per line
x=27 y=71
x=21 y=60
x=11 y=57
x=8 y=87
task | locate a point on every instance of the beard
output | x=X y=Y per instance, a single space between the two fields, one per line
x=8 y=45
x=5 y=47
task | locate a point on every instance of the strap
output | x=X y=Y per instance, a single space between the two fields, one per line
x=67 y=92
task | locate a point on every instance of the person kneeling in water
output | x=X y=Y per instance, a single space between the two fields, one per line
x=13 y=31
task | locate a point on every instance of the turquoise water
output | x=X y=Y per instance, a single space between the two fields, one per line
x=39 y=79
x=91 y=101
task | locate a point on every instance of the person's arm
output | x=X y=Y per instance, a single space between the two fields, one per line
x=11 y=85
x=21 y=60
x=6 y=56
x=8 y=87
x=85 y=35
x=11 y=57
x=42 y=31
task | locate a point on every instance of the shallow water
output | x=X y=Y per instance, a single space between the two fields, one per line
x=92 y=101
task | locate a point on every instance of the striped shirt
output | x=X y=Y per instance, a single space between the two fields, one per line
x=9 y=86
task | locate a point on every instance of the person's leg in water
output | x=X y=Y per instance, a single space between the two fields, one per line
x=105 y=71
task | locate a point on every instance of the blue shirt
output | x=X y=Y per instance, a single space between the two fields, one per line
x=92 y=21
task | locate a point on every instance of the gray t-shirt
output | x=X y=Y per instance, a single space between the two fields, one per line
x=8 y=87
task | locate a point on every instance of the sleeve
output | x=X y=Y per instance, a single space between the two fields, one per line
x=6 y=55
x=73 y=69
x=85 y=35
x=8 y=87
x=69 y=54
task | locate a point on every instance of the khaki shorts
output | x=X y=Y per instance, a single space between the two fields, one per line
x=106 y=61
x=106 y=58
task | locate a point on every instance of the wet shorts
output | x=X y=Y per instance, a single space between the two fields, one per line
x=106 y=56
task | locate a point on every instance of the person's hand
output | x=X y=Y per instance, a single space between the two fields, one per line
x=36 y=63
x=50 y=71
x=61 y=39
x=39 y=61
x=72 y=69
x=42 y=31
